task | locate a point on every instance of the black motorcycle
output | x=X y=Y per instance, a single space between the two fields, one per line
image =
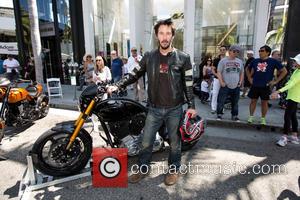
x=66 y=149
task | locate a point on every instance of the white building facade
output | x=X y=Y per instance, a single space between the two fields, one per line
x=202 y=25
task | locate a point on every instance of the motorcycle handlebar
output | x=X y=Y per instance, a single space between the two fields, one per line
x=103 y=87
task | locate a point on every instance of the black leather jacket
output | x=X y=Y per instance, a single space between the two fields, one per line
x=180 y=75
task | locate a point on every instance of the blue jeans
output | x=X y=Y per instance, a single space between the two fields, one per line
x=116 y=78
x=234 y=97
x=155 y=118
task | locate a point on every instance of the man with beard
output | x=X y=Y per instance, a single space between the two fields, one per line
x=170 y=82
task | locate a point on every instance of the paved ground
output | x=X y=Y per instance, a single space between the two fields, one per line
x=233 y=164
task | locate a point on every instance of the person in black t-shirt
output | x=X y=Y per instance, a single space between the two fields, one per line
x=247 y=84
x=261 y=77
x=170 y=81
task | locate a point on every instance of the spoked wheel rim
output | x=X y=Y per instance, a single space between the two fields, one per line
x=55 y=155
x=44 y=109
x=1 y=132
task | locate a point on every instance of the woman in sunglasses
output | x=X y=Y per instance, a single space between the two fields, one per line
x=101 y=73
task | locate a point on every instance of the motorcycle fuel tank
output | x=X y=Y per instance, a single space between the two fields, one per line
x=118 y=109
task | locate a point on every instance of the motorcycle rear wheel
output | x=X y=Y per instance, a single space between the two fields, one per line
x=57 y=161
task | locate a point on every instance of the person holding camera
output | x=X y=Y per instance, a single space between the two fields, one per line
x=11 y=65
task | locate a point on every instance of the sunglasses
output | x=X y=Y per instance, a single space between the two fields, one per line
x=236 y=51
x=209 y=60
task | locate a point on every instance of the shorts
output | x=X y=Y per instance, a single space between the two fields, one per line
x=262 y=92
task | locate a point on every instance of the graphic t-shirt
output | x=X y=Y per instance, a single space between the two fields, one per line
x=264 y=71
x=231 y=70
x=165 y=94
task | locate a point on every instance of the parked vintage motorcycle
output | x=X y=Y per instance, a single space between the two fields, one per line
x=21 y=106
x=66 y=149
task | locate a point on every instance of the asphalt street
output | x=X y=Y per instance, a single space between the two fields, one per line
x=227 y=163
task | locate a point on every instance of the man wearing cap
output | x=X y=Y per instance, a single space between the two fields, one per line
x=293 y=98
x=138 y=86
x=11 y=65
x=230 y=73
x=261 y=78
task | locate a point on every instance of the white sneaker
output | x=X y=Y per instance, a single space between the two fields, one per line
x=294 y=139
x=282 y=141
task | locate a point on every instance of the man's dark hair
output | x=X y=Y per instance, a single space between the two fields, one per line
x=167 y=22
x=223 y=46
x=267 y=48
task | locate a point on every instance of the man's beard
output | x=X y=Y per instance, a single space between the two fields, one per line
x=165 y=47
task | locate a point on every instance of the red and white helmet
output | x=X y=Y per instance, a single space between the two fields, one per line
x=191 y=128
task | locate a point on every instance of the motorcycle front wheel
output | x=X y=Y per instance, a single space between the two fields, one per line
x=50 y=156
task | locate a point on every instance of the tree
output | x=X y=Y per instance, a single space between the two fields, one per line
x=35 y=39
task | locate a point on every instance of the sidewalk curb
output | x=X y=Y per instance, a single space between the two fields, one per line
x=243 y=125
x=209 y=121
x=64 y=106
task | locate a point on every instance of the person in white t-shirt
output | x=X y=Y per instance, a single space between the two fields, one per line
x=125 y=66
x=11 y=65
x=138 y=86
x=101 y=74
x=205 y=85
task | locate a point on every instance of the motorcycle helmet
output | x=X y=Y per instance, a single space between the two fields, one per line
x=191 y=128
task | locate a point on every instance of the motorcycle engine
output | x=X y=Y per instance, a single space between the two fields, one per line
x=133 y=144
x=27 y=111
x=132 y=126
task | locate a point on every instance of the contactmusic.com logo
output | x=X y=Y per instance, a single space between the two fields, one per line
x=110 y=167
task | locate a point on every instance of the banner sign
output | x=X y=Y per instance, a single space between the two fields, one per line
x=9 y=48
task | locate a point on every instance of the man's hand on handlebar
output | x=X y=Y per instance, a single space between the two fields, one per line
x=111 y=89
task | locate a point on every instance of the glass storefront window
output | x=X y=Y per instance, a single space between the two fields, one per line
x=111 y=25
x=223 y=23
x=65 y=34
x=171 y=9
x=45 y=10
x=26 y=26
x=277 y=23
x=64 y=28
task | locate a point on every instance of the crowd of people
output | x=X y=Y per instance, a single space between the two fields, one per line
x=97 y=71
x=228 y=77
x=222 y=80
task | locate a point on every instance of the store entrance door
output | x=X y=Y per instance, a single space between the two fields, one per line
x=50 y=58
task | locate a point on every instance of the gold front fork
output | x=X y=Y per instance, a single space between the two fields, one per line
x=79 y=123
